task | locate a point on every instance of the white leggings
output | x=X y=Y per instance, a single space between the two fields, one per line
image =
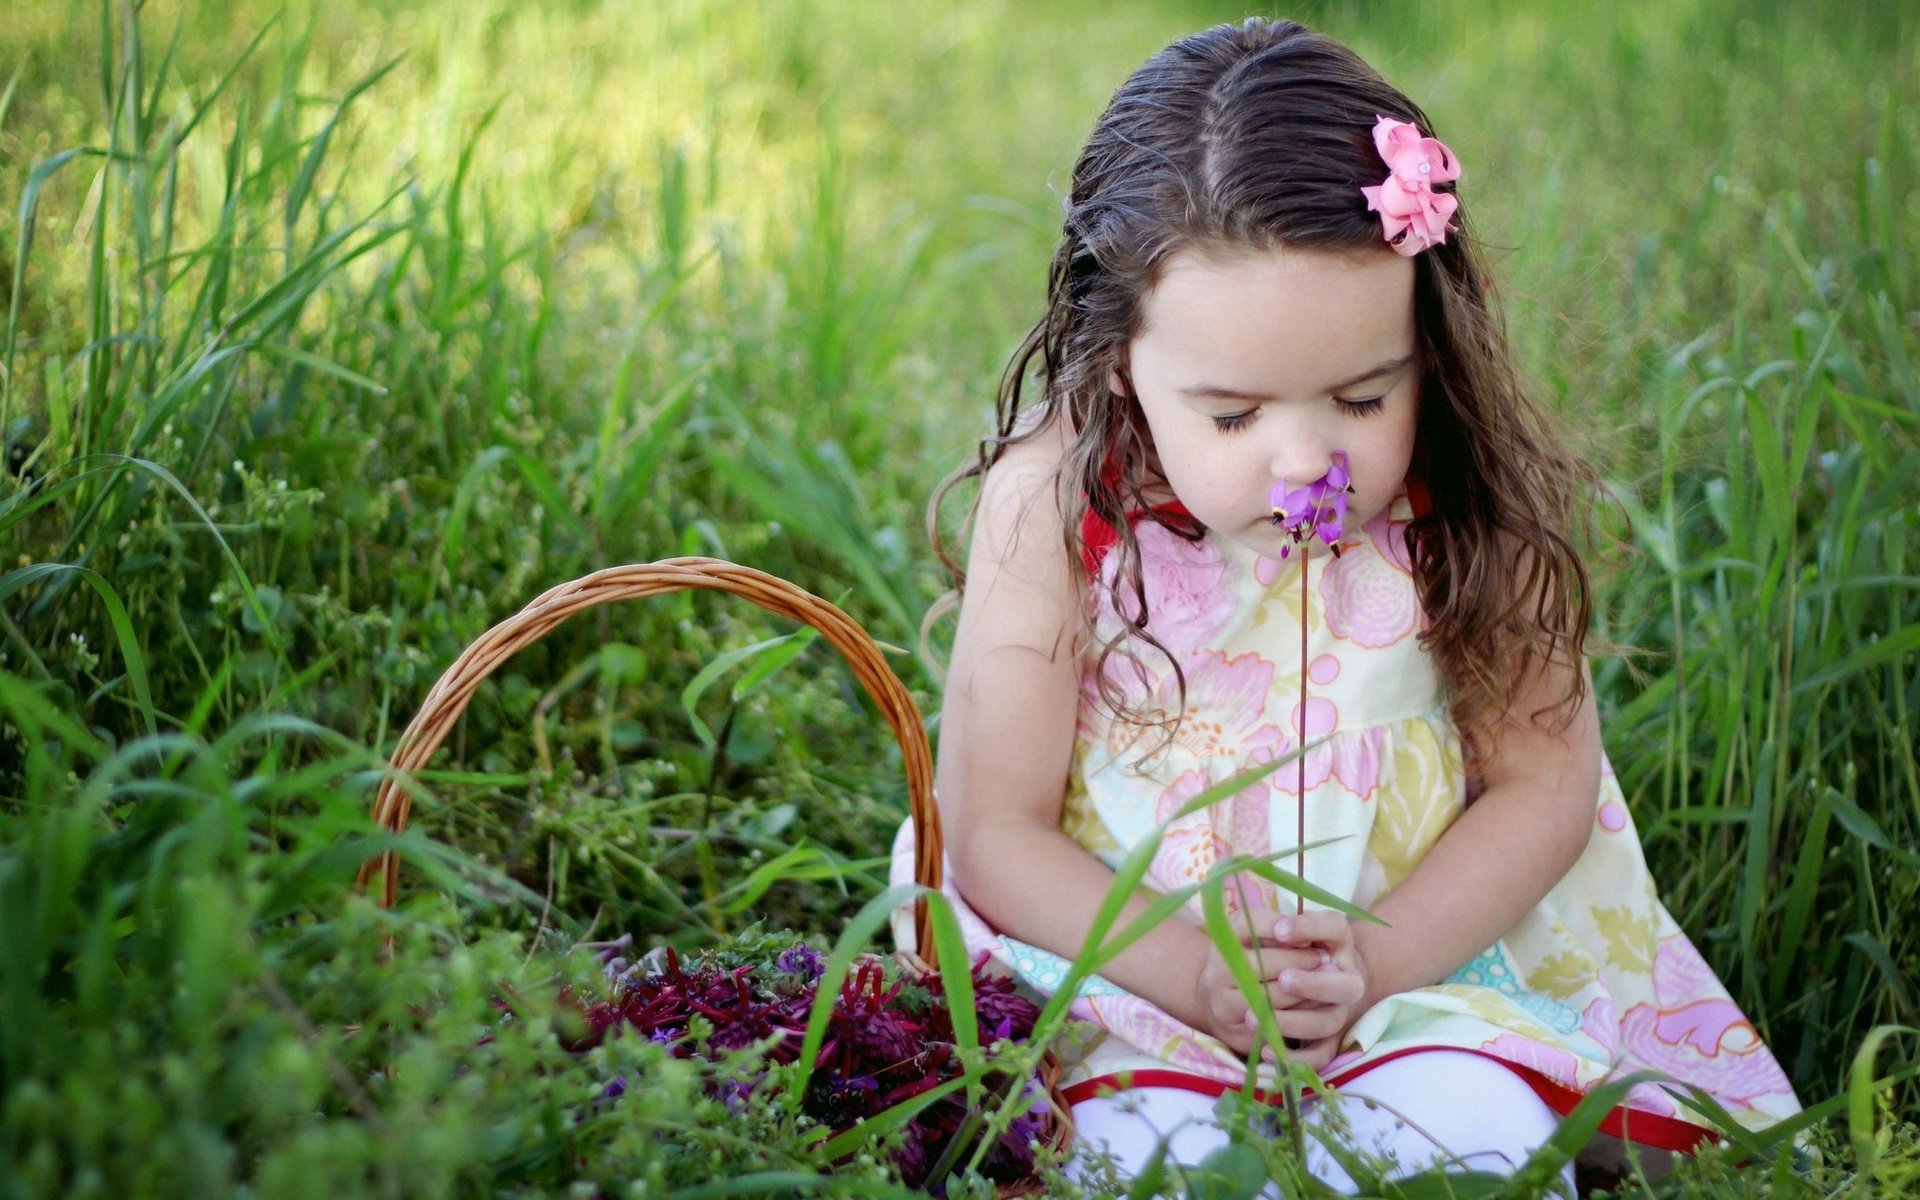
x=1460 y=1109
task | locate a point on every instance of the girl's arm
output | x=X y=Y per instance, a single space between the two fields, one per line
x=1006 y=739
x=1501 y=856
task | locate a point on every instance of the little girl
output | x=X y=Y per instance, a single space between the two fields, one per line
x=1280 y=487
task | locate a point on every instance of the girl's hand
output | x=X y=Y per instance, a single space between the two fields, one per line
x=1324 y=1000
x=1224 y=1010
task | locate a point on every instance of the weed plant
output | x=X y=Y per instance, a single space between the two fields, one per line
x=332 y=335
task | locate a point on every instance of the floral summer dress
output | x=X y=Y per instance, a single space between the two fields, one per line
x=1595 y=982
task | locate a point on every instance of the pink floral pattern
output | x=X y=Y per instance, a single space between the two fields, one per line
x=1367 y=596
x=1226 y=704
x=1692 y=1031
x=1556 y=1064
x=1352 y=759
x=1193 y=843
x=1188 y=602
x=1142 y=1024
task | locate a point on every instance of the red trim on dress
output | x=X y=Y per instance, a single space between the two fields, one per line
x=1097 y=537
x=1418 y=497
x=1644 y=1128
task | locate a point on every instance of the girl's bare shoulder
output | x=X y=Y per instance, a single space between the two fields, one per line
x=1021 y=493
x=1040 y=443
x=1019 y=573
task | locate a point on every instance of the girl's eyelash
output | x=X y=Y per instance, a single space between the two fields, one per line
x=1234 y=422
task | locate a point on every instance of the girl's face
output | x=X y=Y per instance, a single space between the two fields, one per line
x=1255 y=366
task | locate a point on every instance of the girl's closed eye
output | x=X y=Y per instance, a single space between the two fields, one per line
x=1234 y=422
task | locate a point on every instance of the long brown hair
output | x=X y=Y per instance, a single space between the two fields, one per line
x=1259 y=136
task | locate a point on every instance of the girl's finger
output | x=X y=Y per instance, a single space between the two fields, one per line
x=1268 y=961
x=1317 y=1054
x=1255 y=921
x=1317 y=926
x=1311 y=1024
x=1277 y=1000
x=1256 y=924
x=1322 y=987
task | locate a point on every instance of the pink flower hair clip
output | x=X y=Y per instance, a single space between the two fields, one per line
x=1412 y=215
x=1319 y=508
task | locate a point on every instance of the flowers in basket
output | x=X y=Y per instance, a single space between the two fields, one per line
x=890 y=1037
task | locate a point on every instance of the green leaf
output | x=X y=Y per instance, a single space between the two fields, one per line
x=1894 y=647
x=698 y=685
x=325 y=366
x=1861 y=1091
x=1263 y=867
x=1855 y=820
x=792 y=864
x=1151 y=1180
x=956 y=977
x=770 y=663
x=783 y=1183
x=1577 y=1128
x=23 y=244
x=882 y=1123
x=872 y=915
x=453 y=533
x=303 y=182
x=123 y=633
x=1445 y=1185
x=1236 y=784
x=1233 y=1172
x=1876 y=952
x=1220 y=929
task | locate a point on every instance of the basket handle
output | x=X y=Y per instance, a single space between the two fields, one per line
x=450 y=695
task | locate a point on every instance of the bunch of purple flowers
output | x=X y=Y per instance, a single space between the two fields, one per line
x=890 y=1037
x=1317 y=509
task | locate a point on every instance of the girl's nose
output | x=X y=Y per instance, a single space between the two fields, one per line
x=1299 y=457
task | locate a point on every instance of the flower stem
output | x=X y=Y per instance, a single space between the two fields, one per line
x=1300 y=748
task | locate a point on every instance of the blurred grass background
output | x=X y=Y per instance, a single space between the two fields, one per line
x=335 y=333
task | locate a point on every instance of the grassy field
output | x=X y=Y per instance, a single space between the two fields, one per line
x=334 y=334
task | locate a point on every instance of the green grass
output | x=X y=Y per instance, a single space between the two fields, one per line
x=333 y=337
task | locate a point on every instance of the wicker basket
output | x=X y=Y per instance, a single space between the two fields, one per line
x=449 y=696
x=454 y=690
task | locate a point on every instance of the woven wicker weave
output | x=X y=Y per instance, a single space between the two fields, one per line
x=450 y=696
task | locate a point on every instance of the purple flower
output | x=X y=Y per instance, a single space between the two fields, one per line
x=1016 y=1151
x=1317 y=510
x=890 y=1036
x=998 y=1006
x=733 y=1093
x=799 y=960
x=613 y=956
